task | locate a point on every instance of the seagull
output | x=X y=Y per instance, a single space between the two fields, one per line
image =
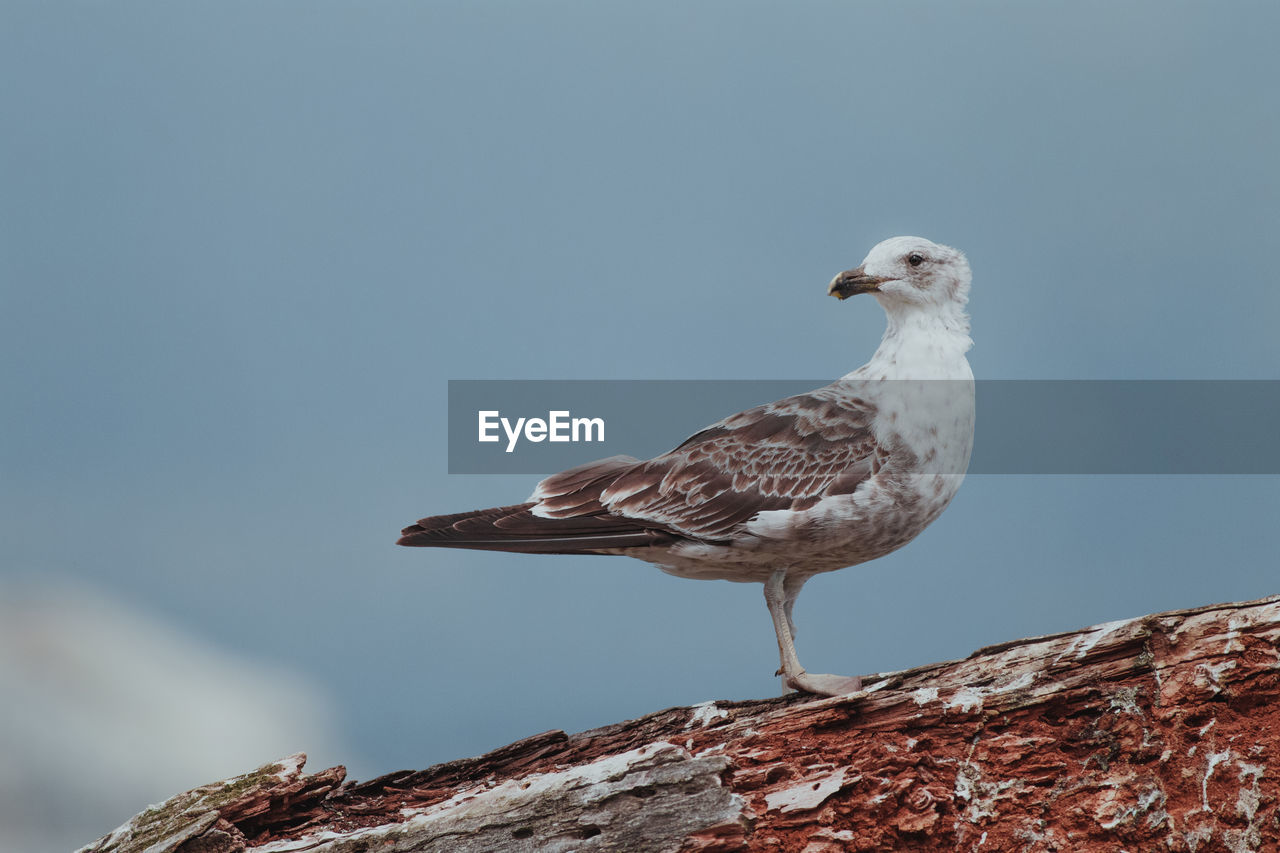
x=781 y=492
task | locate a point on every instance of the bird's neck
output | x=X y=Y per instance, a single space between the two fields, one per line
x=922 y=345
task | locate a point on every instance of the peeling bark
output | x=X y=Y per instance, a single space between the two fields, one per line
x=1151 y=733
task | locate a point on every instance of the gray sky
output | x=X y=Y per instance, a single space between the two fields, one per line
x=244 y=246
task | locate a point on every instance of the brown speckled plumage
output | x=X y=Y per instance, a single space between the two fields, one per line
x=776 y=494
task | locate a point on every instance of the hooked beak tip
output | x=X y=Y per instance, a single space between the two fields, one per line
x=855 y=281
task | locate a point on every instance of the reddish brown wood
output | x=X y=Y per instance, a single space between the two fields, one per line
x=1157 y=733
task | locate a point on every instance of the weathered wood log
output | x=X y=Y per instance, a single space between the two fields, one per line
x=1155 y=733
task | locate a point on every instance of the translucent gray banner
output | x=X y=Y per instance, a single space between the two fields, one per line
x=1022 y=426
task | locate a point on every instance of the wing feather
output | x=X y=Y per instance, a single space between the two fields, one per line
x=784 y=455
x=787 y=455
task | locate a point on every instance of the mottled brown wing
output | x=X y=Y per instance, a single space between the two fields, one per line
x=784 y=455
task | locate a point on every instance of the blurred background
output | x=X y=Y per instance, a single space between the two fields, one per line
x=244 y=246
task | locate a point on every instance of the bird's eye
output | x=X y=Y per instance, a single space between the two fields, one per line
x=915 y=259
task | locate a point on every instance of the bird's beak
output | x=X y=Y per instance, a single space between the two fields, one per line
x=853 y=282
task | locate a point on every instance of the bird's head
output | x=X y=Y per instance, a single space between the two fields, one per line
x=907 y=273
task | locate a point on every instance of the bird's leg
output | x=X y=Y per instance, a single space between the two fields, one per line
x=775 y=598
x=793 y=674
x=791 y=591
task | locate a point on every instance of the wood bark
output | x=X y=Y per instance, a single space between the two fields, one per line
x=1154 y=733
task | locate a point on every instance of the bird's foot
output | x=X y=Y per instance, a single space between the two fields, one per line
x=824 y=685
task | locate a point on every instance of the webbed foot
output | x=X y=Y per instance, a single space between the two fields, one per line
x=824 y=685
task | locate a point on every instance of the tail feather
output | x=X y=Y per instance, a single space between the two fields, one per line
x=516 y=528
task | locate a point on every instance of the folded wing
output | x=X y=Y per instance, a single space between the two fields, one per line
x=786 y=455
